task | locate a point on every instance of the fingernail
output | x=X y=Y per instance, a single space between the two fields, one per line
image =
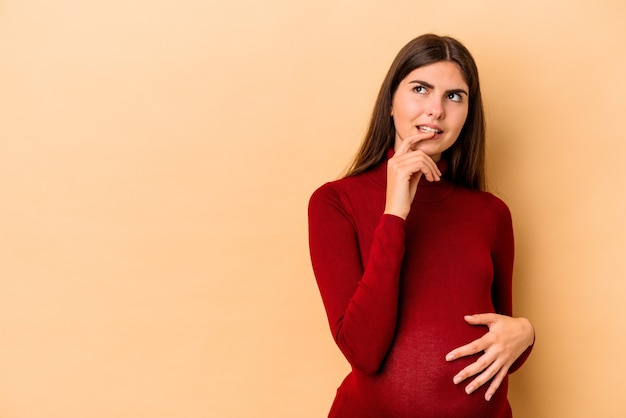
x=450 y=357
x=469 y=389
x=457 y=380
x=488 y=396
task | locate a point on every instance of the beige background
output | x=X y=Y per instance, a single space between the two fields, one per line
x=156 y=159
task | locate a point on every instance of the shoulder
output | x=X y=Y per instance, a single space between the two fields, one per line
x=329 y=196
x=500 y=212
x=329 y=192
x=500 y=208
x=495 y=202
x=485 y=204
x=345 y=189
x=486 y=199
x=329 y=204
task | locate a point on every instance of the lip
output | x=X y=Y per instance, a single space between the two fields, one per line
x=432 y=128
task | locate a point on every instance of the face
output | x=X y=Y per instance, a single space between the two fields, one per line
x=431 y=102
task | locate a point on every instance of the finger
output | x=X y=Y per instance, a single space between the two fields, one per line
x=495 y=383
x=483 y=378
x=481 y=319
x=417 y=161
x=411 y=140
x=428 y=164
x=404 y=146
x=479 y=366
x=422 y=164
x=470 y=349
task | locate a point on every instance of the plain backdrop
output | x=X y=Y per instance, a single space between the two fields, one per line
x=156 y=160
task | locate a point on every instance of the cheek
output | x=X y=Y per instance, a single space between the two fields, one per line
x=404 y=104
x=455 y=128
x=405 y=114
x=459 y=121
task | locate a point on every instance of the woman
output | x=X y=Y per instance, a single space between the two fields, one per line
x=413 y=258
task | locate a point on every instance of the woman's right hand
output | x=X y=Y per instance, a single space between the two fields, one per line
x=404 y=171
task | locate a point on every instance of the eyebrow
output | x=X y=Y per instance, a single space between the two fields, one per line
x=430 y=86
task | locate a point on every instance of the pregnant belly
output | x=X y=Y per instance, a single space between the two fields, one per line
x=416 y=377
x=419 y=350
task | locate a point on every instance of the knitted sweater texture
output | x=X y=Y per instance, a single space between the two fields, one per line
x=396 y=291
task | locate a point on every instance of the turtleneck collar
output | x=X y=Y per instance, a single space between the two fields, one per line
x=426 y=190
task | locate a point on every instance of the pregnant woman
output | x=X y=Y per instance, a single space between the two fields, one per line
x=413 y=258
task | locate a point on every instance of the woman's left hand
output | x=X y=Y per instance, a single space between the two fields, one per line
x=506 y=340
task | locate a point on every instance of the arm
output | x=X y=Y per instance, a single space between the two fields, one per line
x=502 y=290
x=509 y=341
x=360 y=301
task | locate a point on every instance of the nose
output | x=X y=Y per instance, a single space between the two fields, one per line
x=435 y=108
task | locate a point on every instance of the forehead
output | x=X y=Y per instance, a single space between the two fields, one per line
x=444 y=74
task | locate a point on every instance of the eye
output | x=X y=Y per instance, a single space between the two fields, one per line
x=419 y=89
x=455 y=97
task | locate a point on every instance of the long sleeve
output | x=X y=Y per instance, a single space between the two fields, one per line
x=361 y=301
x=396 y=291
x=502 y=255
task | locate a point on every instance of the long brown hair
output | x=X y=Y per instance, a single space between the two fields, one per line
x=466 y=157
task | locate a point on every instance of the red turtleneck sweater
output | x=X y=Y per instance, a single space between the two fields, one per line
x=396 y=291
